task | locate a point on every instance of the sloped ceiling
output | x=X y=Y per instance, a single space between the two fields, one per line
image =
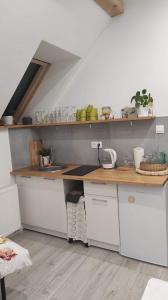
x=51 y=53
x=24 y=24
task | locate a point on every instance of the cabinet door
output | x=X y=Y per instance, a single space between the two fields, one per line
x=102 y=219
x=9 y=210
x=143 y=225
x=42 y=204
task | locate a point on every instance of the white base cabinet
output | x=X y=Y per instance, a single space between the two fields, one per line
x=42 y=204
x=143 y=223
x=9 y=210
x=102 y=214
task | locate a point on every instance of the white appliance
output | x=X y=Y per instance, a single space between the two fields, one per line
x=109 y=160
x=143 y=215
x=9 y=202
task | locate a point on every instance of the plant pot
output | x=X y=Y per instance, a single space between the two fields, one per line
x=143 y=111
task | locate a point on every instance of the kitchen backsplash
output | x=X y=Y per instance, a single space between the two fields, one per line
x=19 y=143
x=72 y=144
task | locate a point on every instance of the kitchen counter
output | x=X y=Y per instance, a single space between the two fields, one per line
x=100 y=175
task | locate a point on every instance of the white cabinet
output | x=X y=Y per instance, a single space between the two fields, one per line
x=5 y=159
x=9 y=210
x=143 y=223
x=9 y=203
x=102 y=214
x=42 y=204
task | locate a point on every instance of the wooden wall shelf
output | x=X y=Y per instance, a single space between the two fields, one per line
x=77 y=123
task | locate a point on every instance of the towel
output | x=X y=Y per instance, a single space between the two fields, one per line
x=19 y=261
x=76 y=217
x=7 y=253
x=74 y=196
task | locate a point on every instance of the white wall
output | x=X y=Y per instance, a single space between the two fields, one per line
x=131 y=54
x=72 y=25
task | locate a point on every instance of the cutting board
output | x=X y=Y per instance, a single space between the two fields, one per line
x=34 y=147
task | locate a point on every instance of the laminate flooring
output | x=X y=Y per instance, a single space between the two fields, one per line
x=63 y=271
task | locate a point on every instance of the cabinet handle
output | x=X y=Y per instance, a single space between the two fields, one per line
x=51 y=179
x=131 y=199
x=99 y=200
x=93 y=182
x=25 y=176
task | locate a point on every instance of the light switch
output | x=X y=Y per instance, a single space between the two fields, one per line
x=160 y=129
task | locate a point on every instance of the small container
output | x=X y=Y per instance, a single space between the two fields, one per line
x=124 y=113
x=8 y=120
x=150 y=110
x=106 y=111
x=45 y=161
x=26 y=120
x=154 y=162
x=117 y=115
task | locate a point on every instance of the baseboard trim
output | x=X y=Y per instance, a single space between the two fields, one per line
x=45 y=231
x=103 y=245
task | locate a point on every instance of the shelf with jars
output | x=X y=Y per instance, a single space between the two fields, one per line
x=70 y=115
x=77 y=122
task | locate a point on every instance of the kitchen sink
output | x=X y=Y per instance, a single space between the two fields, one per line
x=50 y=168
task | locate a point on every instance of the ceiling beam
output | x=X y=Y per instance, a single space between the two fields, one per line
x=112 y=7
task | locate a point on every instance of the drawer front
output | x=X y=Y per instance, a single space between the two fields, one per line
x=100 y=189
x=102 y=219
x=41 y=182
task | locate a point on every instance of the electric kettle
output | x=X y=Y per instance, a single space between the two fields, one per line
x=109 y=158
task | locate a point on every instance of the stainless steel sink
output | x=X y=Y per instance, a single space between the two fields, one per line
x=50 y=168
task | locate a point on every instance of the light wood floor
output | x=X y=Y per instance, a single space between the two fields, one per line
x=62 y=271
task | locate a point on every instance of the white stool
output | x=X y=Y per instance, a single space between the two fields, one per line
x=18 y=262
x=156 y=290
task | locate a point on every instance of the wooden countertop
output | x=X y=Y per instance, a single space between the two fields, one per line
x=99 y=175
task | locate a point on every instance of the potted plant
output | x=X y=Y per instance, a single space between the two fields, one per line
x=143 y=101
x=45 y=159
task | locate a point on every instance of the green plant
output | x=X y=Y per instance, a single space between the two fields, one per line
x=45 y=152
x=142 y=98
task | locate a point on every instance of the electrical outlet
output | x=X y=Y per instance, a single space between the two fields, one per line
x=160 y=129
x=95 y=144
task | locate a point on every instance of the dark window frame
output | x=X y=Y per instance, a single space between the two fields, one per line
x=28 y=95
